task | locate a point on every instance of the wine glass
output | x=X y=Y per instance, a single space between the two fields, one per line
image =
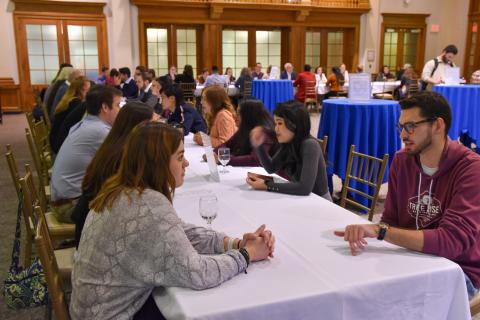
x=208 y=207
x=224 y=158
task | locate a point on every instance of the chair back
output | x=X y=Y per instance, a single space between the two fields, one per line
x=367 y=170
x=247 y=89
x=323 y=144
x=28 y=207
x=12 y=165
x=310 y=90
x=188 y=91
x=50 y=267
x=38 y=197
x=413 y=87
x=42 y=171
x=46 y=117
x=30 y=120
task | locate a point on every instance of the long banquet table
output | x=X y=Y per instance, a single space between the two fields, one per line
x=313 y=275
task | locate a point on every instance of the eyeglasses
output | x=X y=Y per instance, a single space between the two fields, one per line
x=410 y=126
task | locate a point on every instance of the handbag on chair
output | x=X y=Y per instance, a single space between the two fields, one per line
x=27 y=287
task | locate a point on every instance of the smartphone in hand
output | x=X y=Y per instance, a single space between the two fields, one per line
x=259 y=176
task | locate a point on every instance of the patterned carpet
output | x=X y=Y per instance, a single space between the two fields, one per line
x=12 y=132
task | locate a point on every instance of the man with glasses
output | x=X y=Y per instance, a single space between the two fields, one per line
x=433 y=201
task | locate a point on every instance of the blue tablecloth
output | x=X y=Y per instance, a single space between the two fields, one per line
x=272 y=92
x=465 y=103
x=369 y=125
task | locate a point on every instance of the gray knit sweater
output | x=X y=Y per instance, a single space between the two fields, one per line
x=140 y=244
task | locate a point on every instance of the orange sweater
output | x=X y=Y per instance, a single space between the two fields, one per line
x=223 y=128
x=333 y=83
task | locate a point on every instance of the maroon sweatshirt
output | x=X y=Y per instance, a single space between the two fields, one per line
x=446 y=206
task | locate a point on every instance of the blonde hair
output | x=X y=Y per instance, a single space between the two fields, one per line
x=73 y=91
x=64 y=73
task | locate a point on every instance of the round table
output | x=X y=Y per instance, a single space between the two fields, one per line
x=369 y=125
x=464 y=101
x=272 y=92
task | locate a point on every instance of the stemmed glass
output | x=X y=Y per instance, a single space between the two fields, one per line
x=208 y=207
x=224 y=158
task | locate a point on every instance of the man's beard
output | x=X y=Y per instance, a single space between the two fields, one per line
x=422 y=146
x=444 y=59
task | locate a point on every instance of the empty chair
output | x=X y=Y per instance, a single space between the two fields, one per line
x=311 y=95
x=188 y=91
x=323 y=144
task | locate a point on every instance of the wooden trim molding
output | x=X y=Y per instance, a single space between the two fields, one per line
x=10 y=98
x=80 y=7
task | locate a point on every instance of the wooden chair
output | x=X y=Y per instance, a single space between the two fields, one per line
x=311 y=95
x=51 y=268
x=12 y=165
x=42 y=142
x=46 y=117
x=413 y=88
x=367 y=170
x=58 y=230
x=247 y=89
x=43 y=173
x=188 y=91
x=29 y=221
x=323 y=144
x=475 y=305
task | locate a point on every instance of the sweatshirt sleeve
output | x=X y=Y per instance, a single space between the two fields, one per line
x=203 y=240
x=270 y=164
x=166 y=252
x=390 y=211
x=458 y=229
x=310 y=156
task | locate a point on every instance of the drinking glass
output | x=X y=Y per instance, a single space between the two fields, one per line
x=224 y=158
x=208 y=207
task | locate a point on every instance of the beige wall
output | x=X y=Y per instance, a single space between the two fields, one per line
x=450 y=15
x=123 y=43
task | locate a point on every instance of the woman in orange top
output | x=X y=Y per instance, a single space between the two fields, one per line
x=333 y=81
x=220 y=116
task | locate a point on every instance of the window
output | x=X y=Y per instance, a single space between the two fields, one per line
x=42 y=49
x=157 y=50
x=335 y=49
x=390 y=49
x=82 y=42
x=186 y=48
x=268 y=48
x=312 y=48
x=235 y=50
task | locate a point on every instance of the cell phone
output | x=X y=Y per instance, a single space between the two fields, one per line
x=259 y=176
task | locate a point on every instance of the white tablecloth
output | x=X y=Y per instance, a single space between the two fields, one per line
x=313 y=275
x=232 y=90
x=377 y=87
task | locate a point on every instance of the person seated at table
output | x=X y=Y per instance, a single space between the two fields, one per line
x=79 y=148
x=138 y=71
x=220 y=116
x=133 y=241
x=400 y=73
x=433 y=203
x=251 y=114
x=476 y=77
x=320 y=77
x=229 y=78
x=257 y=74
x=305 y=78
x=360 y=68
x=181 y=112
x=144 y=84
x=215 y=79
x=172 y=73
x=384 y=74
x=72 y=99
x=266 y=76
x=102 y=76
x=187 y=75
x=299 y=157
x=344 y=71
x=129 y=86
x=288 y=73
x=245 y=75
x=107 y=159
x=333 y=82
x=203 y=77
x=409 y=78
x=114 y=79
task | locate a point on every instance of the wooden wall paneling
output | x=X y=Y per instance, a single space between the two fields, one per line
x=296 y=47
x=252 y=48
x=172 y=46
x=37 y=6
x=10 y=96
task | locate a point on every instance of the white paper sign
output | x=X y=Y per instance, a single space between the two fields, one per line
x=212 y=164
x=452 y=75
x=274 y=72
x=359 y=86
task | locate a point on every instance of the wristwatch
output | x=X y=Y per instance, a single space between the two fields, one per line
x=382 y=230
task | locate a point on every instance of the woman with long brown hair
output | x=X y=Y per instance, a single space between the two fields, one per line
x=133 y=240
x=220 y=116
x=73 y=98
x=107 y=159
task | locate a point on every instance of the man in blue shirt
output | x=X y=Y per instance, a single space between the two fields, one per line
x=215 y=79
x=83 y=141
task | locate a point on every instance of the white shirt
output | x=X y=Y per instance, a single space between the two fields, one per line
x=439 y=74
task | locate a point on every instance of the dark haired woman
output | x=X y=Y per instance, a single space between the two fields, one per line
x=181 y=112
x=299 y=157
x=186 y=76
x=250 y=114
x=133 y=241
x=107 y=159
x=334 y=81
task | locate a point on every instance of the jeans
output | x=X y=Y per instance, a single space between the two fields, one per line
x=472 y=291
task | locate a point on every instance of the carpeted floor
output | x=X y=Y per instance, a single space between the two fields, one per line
x=12 y=132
